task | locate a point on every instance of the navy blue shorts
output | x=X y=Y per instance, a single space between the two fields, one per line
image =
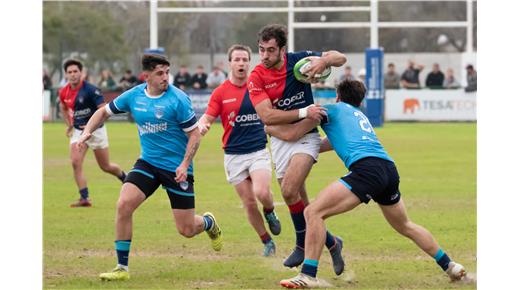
x=148 y=178
x=373 y=178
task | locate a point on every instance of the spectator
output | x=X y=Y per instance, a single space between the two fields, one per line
x=347 y=74
x=182 y=79
x=106 y=81
x=410 y=77
x=471 y=78
x=216 y=77
x=85 y=75
x=391 y=77
x=221 y=66
x=47 y=81
x=449 y=81
x=435 y=78
x=361 y=75
x=127 y=81
x=198 y=80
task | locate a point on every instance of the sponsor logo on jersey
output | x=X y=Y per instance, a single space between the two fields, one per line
x=271 y=85
x=82 y=113
x=159 y=112
x=229 y=100
x=233 y=119
x=287 y=102
x=149 y=128
x=252 y=87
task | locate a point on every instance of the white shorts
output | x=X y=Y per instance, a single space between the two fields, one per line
x=238 y=167
x=283 y=151
x=98 y=140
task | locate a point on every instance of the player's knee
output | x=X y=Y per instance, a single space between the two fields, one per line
x=186 y=231
x=310 y=212
x=406 y=228
x=262 y=193
x=289 y=190
x=250 y=204
x=105 y=167
x=76 y=163
x=124 y=207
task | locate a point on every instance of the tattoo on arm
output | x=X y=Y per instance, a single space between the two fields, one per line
x=191 y=150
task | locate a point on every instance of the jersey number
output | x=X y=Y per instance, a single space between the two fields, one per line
x=364 y=123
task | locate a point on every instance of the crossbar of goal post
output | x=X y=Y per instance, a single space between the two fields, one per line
x=374 y=24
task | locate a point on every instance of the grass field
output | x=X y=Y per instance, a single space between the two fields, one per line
x=437 y=164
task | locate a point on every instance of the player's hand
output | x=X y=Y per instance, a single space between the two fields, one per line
x=83 y=139
x=318 y=65
x=181 y=173
x=316 y=112
x=68 y=131
x=204 y=128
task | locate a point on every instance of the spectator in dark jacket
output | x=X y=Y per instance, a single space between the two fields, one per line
x=471 y=78
x=410 y=77
x=182 y=79
x=198 y=80
x=435 y=78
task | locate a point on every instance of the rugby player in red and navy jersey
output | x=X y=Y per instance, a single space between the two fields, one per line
x=247 y=162
x=281 y=99
x=78 y=102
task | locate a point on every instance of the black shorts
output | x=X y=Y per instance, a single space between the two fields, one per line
x=373 y=178
x=148 y=178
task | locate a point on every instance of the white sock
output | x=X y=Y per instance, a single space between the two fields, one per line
x=122 y=267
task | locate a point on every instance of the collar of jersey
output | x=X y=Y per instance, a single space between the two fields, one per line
x=153 y=97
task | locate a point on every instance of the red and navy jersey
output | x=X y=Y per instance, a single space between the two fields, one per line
x=243 y=129
x=280 y=86
x=81 y=102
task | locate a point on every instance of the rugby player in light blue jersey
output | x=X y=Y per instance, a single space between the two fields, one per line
x=169 y=137
x=372 y=175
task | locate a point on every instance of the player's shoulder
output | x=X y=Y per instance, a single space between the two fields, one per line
x=90 y=88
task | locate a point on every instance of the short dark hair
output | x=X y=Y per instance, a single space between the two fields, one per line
x=72 y=62
x=150 y=61
x=351 y=92
x=239 y=47
x=391 y=64
x=276 y=31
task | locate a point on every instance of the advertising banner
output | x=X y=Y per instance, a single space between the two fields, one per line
x=430 y=105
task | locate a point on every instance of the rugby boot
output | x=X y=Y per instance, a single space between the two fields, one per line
x=337 y=259
x=301 y=281
x=269 y=249
x=118 y=274
x=274 y=223
x=295 y=258
x=214 y=233
x=456 y=271
x=82 y=202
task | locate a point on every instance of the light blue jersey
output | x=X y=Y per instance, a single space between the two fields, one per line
x=351 y=135
x=161 y=123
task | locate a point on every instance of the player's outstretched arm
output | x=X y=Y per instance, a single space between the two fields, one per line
x=181 y=173
x=291 y=132
x=333 y=58
x=99 y=117
x=205 y=122
x=272 y=116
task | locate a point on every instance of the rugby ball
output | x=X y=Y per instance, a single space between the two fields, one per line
x=302 y=65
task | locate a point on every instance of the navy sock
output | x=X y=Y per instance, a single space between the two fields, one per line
x=84 y=193
x=442 y=259
x=123 y=176
x=310 y=267
x=266 y=238
x=208 y=222
x=123 y=250
x=330 y=241
x=299 y=222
